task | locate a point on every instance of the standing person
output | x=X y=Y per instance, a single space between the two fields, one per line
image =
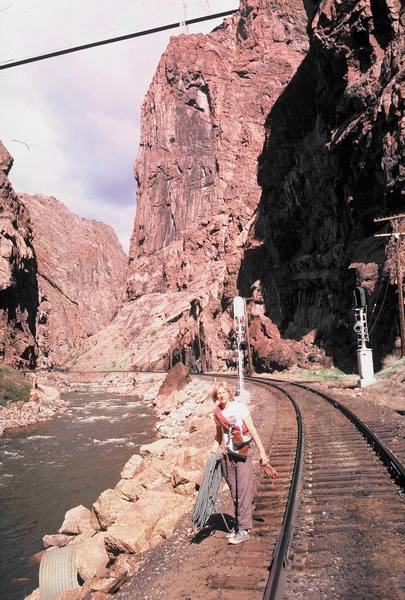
x=234 y=432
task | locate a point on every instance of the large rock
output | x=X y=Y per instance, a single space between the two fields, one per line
x=81 y=276
x=109 y=506
x=79 y=520
x=175 y=380
x=102 y=586
x=158 y=448
x=132 y=467
x=156 y=473
x=91 y=557
x=18 y=276
x=167 y=403
x=58 y=540
x=132 y=489
x=181 y=476
x=125 y=563
x=142 y=526
x=130 y=533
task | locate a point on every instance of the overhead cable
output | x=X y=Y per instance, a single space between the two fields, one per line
x=121 y=38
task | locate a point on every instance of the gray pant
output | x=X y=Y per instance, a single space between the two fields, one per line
x=239 y=477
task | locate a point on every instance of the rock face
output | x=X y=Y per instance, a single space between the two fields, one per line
x=202 y=132
x=322 y=129
x=81 y=276
x=330 y=164
x=18 y=284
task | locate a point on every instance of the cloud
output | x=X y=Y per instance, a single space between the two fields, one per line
x=79 y=114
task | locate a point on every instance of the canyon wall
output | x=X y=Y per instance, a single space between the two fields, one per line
x=81 y=273
x=18 y=284
x=260 y=170
x=201 y=135
x=329 y=166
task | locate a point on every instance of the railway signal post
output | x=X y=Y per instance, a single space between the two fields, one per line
x=239 y=319
x=364 y=354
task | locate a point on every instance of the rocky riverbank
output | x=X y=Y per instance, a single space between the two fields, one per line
x=157 y=487
x=45 y=402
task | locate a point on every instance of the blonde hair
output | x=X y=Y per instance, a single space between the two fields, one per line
x=224 y=385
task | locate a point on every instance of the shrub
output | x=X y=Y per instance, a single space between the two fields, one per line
x=13 y=386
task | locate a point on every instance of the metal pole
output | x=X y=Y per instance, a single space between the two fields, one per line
x=239 y=320
x=250 y=362
x=362 y=332
x=240 y=360
x=400 y=295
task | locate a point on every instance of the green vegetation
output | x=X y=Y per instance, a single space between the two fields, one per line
x=331 y=374
x=392 y=366
x=13 y=386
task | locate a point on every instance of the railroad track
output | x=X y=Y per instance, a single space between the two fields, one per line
x=332 y=526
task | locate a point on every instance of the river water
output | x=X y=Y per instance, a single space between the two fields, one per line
x=48 y=468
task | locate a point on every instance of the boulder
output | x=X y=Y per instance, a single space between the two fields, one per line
x=156 y=474
x=205 y=409
x=109 y=506
x=132 y=467
x=130 y=533
x=130 y=488
x=91 y=557
x=105 y=585
x=153 y=513
x=180 y=476
x=200 y=424
x=166 y=404
x=175 y=380
x=191 y=458
x=158 y=448
x=56 y=539
x=188 y=489
x=125 y=563
x=79 y=520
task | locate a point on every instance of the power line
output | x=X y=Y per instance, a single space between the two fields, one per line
x=121 y=38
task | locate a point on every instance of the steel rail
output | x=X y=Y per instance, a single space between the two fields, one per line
x=394 y=466
x=280 y=554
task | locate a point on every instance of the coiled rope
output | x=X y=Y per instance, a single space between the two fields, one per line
x=206 y=502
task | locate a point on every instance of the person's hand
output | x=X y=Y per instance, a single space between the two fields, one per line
x=264 y=458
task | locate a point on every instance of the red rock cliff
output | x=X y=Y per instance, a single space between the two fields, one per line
x=81 y=270
x=330 y=164
x=204 y=230
x=202 y=132
x=18 y=286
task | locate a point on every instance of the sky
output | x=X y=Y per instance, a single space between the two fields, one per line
x=72 y=123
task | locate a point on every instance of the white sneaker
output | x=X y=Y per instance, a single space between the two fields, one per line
x=241 y=536
x=230 y=533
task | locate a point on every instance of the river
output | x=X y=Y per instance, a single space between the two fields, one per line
x=50 y=467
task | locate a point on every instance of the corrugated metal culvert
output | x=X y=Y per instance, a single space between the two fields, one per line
x=57 y=572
